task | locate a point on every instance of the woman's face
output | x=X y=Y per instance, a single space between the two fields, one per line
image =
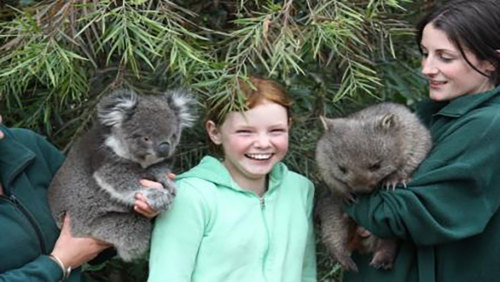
x=450 y=76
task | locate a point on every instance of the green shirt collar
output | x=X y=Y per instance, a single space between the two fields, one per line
x=462 y=105
x=14 y=157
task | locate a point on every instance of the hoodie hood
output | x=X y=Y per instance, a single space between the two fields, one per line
x=212 y=170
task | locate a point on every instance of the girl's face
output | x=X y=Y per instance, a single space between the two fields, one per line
x=253 y=141
x=450 y=76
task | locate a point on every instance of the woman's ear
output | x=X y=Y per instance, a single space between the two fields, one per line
x=493 y=66
x=213 y=132
x=490 y=66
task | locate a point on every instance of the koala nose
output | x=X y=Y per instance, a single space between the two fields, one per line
x=163 y=149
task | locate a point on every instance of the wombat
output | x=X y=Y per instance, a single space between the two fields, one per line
x=379 y=146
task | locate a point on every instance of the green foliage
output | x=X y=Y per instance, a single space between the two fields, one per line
x=334 y=56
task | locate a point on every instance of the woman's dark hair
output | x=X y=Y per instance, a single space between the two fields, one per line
x=472 y=25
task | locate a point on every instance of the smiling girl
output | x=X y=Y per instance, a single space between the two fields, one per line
x=243 y=216
x=448 y=219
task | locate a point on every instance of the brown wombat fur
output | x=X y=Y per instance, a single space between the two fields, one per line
x=380 y=145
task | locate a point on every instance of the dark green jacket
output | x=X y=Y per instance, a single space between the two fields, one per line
x=28 y=232
x=448 y=219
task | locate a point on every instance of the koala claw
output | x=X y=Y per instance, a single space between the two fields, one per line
x=169 y=185
x=158 y=199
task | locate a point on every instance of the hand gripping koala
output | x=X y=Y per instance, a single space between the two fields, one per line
x=380 y=145
x=133 y=138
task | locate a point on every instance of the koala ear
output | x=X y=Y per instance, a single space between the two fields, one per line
x=183 y=104
x=116 y=107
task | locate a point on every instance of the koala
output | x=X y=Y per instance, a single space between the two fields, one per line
x=380 y=145
x=133 y=137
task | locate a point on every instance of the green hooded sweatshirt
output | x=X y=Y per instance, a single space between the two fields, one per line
x=448 y=220
x=217 y=231
x=28 y=232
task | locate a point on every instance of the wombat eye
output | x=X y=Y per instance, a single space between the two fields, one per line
x=342 y=169
x=145 y=139
x=374 y=167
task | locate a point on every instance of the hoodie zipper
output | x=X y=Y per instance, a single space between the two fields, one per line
x=31 y=220
x=262 y=202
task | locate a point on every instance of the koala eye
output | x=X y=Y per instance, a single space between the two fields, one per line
x=342 y=169
x=374 y=167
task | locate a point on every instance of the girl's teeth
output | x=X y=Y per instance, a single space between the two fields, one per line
x=259 y=156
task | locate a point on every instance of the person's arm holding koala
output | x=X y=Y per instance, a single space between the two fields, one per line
x=27 y=255
x=47 y=254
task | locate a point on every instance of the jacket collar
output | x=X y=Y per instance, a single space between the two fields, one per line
x=464 y=104
x=14 y=157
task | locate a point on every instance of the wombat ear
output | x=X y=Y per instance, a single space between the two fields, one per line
x=387 y=121
x=327 y=123
x=116 y=107
x=183 y=105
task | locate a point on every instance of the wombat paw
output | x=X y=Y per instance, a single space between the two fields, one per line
x=390 y=184
x=346 y=262
x=382 y=260
x=350 y=198
x=158 y=199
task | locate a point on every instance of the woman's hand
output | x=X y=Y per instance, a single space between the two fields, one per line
x=75 y=251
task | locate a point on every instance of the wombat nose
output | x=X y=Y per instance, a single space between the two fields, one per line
x=163 y=149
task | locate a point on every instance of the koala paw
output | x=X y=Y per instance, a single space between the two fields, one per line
x=158 y=199
x=169 y=185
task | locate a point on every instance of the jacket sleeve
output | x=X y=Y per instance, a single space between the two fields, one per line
x=42 y=269
x=452 y=196
x=177 y=235
x=309 y=266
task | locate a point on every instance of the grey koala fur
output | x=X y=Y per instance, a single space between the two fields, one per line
x=133 y=137
x=380 y=145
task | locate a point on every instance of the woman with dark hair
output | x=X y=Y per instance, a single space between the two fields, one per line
x=447 y=219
